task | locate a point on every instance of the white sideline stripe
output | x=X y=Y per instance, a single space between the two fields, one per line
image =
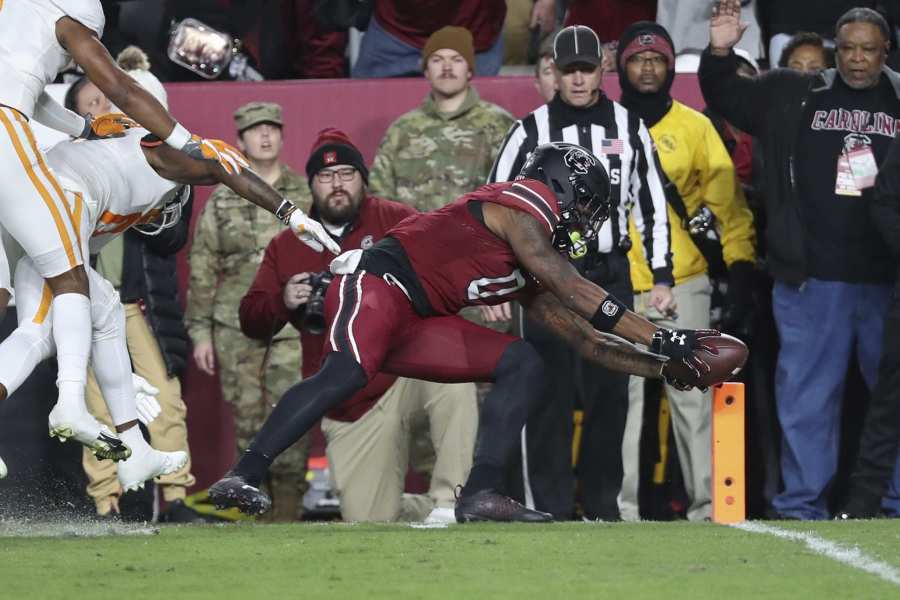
x=849 y=555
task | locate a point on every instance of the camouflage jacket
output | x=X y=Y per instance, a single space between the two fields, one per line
x=230 y=238
x=428 y=159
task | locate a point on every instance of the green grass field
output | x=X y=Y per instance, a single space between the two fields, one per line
x=566 y=560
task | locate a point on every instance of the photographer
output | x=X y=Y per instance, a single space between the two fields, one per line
x=369 y=435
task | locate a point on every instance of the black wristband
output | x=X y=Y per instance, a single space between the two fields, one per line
x=284 y=210
x=608 y=314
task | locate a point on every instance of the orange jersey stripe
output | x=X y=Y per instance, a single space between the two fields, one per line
x=57 y=218
x=44 y=308
x=60 y=226
x=75 y=215
x=110 y=222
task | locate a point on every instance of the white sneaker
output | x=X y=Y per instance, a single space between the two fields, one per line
x=3 y=470
x=68 y=420
x=441 y=515
x=148 y=464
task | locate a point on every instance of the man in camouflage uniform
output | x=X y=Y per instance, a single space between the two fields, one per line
x=445 y=147
x=230 y=238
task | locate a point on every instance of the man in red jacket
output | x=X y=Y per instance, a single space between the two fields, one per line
x=368 y=450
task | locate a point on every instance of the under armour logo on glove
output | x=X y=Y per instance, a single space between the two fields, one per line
x=684 y=345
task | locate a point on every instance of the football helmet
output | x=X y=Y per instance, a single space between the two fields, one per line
x=169 y=215
x=582 y=189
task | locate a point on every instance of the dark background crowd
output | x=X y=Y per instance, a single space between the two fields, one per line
x=728 y=222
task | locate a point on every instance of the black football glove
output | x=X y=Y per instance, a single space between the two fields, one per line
x=683 y=346
x=674 y=381
x=738 y=312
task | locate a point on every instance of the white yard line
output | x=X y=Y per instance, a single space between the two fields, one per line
x=849 y=555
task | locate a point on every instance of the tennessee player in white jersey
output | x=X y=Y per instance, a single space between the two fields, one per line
x=119 y=187
x=110 y=185
x=38 y=38
x=33 y=341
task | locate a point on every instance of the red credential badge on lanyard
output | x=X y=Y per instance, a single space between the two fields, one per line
x=857 y=168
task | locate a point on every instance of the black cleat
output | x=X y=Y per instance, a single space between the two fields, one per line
x=488 y=505
x=233 y=490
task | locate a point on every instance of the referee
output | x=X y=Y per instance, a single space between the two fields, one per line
x=580 y=113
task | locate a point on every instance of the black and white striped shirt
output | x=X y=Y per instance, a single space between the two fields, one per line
x=624 y=146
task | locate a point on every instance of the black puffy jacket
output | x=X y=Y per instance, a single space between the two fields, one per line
x=149 y=276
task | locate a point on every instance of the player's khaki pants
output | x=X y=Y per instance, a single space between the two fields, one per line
x=691 y=411
x=168 y=432
x=368 y=458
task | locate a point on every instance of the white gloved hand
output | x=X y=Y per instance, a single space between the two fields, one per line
x=147 y=406
x=312 y=233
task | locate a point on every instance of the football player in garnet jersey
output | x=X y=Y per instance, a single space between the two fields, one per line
x=393 y=309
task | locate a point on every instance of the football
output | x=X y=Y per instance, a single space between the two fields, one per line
x=731 y=357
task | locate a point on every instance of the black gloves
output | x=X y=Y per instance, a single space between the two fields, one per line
x=682 y=346
x=738 y=314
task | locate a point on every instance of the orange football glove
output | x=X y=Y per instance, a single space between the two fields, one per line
x=110 y=125
x=229 y=157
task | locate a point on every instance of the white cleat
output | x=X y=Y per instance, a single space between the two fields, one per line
x=442 y=516
x=149 y=464
x=74 y=422
x=3 y=470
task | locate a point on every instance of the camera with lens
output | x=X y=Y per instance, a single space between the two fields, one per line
x=314 y=316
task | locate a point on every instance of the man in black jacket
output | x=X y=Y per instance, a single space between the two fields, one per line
x=877 y=471
x=823 y=136
x=142 y=267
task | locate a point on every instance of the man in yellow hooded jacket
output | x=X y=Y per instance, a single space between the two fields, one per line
x=700 y=173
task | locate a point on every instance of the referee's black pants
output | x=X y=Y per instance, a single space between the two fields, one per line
x=545 y=476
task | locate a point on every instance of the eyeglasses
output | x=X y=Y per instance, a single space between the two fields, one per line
x=327 y=175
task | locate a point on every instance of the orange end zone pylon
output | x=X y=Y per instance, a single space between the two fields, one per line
x=729 y=489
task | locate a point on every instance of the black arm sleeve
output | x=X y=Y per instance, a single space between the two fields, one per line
x=741 y=100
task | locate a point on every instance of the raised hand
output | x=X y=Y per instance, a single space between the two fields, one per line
x=725 y=27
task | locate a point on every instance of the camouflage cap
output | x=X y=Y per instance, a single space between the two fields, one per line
x=255 y=113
